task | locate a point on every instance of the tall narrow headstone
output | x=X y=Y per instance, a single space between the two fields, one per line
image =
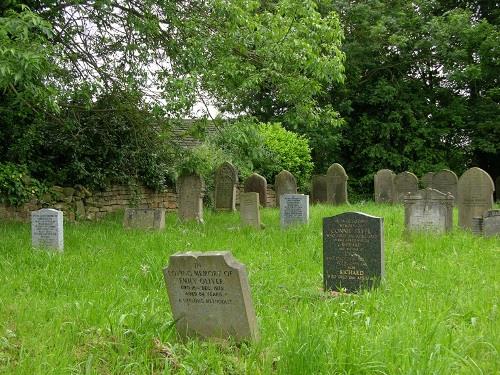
x=190 y=189
x=47 y=229
x=353 y=251
x=446 y=182
x=249 y=210
x=319 y=189
x=210 y=296
x=491 y=223
x=384 y=186
x=284 y=183
x=426 y=180
x=475 y=195
x=226 y=180
x=144 y=218
x=257 y=184
x=404 y=183
x=294 y=209
x=336 y=185
x=428 y=210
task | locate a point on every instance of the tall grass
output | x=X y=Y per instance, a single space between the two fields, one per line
x=101 y=307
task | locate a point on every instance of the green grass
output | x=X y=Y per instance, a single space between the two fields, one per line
x=102 y=307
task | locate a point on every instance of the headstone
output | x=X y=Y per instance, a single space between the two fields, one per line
x=477 y=225
x=190 y=189
x=284 y=183
x=428 y=210
x=336 y=185
x=257 y=184
x=47 y=229
x=319 y=189
x=249 y=210
x=144 y=218
x=294 y=209
x=226 y=180
x=384 y=186
x=491 y=223
x=497 y=188
x=404 y=183
x=210 y=296
x=475 y=195
x=446 y=182
x=426 y=180
x=353 y=251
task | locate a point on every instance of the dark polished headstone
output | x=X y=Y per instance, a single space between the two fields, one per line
x=353 y=251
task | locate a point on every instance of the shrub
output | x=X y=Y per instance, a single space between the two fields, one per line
x=16 y=186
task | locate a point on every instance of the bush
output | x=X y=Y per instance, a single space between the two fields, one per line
x=16 y=186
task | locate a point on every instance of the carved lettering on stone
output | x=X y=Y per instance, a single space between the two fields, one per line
x=475 y=195
x=226 y=180
x=47 y=229
x=404 y=183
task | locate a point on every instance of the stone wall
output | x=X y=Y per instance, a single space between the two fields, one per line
x=79 y=203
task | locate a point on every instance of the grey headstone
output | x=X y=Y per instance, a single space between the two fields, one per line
x=284 y=183
x=190 y=190
x=47 y=229
x=144 y=218
x=249 y=210
x=384 y=186
x=446 y=182
x=319 y=189
x=294 y=209
x=210 y=296
x=353 y=251
x=491 y=223
x=226 y=180
x=257 y=184
x=477 y=225
x=475 y=195
x=336 y=185
x=426 y=180
x=404 y=183
x=428 y=210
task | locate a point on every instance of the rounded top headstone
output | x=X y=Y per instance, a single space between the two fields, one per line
x=337 y=170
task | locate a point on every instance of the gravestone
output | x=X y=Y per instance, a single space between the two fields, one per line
x=336 y=185
x=428 y=210
x=257 y=184
x=475 y=195
x=491 y=223
x=226 y=180
x=477 y=225
x=446 y=182
x=284 y=183
x=294 y=209
x=353 y=251
x=144 y=218
x=189 y=197
x=426 y=180
x=319 y=189
x=210 y=296
x=404 y=183
x=47 y=229
x=384 y=186
x=497 y=188
x=249 y=210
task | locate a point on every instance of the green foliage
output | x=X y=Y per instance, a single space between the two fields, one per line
x=16 y=185
x=286 y=150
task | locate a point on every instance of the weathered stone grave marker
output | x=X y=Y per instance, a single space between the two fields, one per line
x=353 y=251
x=336 y=184
x=210 y=296
x=426 y=180
x=226 y=180
x=384 y=186
x=144 y=218
x=190 y=189
x=257 y=184
x=319 y=189
x=47 y=229
x=294 y=209
x=428 y=210
x=491 y=223
x=475 y=195
x=404 y=183
x=446 y=182
x=249 y=210
x=284 y=183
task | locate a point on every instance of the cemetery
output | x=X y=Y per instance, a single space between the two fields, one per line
x=249 y=187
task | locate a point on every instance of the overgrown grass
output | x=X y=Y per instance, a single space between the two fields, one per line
x=102 y=307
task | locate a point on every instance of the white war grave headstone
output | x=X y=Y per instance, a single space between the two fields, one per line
x=47 y=229
x=294 y=209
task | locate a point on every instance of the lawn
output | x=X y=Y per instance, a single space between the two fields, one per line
x=101 y=307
